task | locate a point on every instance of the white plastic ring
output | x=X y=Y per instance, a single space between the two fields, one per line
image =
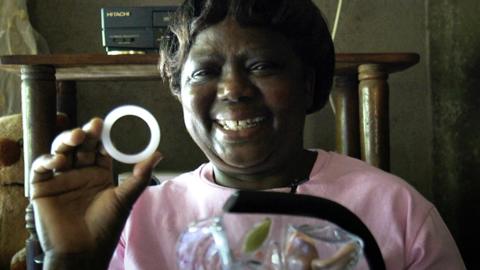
x=140 y=113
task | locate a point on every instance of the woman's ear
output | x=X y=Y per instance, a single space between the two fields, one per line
x=177 y=93
x=178 y=96
x=310 y=85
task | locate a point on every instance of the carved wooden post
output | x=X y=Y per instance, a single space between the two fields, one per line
x=345 y=103
x=374 y=129
x=38 y=112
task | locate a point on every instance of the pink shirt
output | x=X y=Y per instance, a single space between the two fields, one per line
x=409 y=230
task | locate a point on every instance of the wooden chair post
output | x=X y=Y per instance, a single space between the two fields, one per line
x=345 y=106
x=38 y=115
x=374 y=122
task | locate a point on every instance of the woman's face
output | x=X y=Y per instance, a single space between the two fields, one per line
x=244 y=94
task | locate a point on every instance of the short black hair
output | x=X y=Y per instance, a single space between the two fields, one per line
x=300 y=21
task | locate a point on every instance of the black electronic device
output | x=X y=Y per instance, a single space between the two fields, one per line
x=128 y=30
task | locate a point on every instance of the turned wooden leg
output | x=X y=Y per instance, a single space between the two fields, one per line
x=374 y=129
x=38 y=113
x=345 y=105
x=32 y=246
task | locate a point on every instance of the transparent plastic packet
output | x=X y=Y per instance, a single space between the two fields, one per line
x=257 y=231
x=268 y=242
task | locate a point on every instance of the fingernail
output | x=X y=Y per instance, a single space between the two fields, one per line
x=87 y=126
x=102 y=151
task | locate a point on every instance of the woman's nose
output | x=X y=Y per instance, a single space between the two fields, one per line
x=235 y=86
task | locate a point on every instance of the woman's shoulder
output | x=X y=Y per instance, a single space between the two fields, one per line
x=354 y=180
x=335 y=167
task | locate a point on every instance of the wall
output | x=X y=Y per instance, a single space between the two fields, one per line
x=454 y=31
x=433 y=105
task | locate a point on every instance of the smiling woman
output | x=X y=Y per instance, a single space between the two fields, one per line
x=244 y=96
x=246 y=72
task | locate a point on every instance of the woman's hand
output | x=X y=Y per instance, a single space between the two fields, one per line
x=79 y=213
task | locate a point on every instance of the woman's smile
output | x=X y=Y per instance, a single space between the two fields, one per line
x=242 y=130
x=237 y=125
x=234 y=123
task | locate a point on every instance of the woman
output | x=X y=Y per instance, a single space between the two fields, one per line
x=246 y=74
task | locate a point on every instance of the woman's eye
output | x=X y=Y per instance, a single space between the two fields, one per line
x=263 y=67
x=199 y=73
x=203 y=74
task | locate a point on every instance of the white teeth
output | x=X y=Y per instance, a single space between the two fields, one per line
x=240 y=124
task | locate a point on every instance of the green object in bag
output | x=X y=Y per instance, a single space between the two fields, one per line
x=256 y=235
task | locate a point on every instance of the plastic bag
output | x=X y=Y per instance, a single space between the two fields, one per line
x=262 y=230
x=17 y=36
x=268 y=242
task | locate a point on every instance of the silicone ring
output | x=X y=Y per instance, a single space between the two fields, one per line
x=140 y=113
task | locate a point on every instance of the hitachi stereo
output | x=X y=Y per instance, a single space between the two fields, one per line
x=129 y=30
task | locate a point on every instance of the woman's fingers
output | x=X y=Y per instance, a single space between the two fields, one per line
x=65 y=144
x=86 y=154
x=67 y=141
x=81 y=146
x=103 y=159
x=130 y=189
x=44 y=166
x=46 y=182
x=85 y=181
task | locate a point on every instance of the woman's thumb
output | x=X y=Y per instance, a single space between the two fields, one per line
x=130 y=189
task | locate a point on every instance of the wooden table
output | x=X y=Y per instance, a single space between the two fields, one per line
x=360 y=100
